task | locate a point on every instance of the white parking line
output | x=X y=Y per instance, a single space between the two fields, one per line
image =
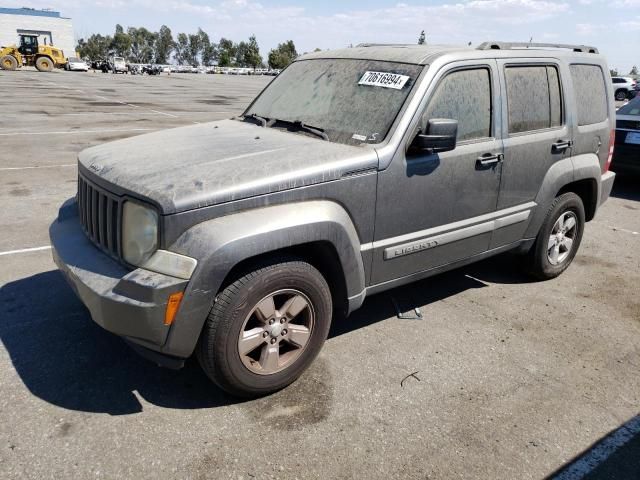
x=25 y=250
x=38 y=166
x=80 y=132
x=603 y=450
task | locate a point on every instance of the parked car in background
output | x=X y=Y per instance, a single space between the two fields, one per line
x=118 y=65
x=626 y=156
x=76 y=64
x=624 y=87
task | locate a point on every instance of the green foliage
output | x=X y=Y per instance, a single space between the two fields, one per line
x=164 y=45
x=281 y=56
x=142 y=44
x=634 y=71
x=95 y=47
x=139 y=45
x=182 y=49
x=614 y=72
x=422 y=39
x=121 y=43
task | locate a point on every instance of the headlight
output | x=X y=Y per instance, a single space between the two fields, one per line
x=139 y=232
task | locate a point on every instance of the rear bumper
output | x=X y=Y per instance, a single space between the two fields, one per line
x=128 y=303
x=606 y=184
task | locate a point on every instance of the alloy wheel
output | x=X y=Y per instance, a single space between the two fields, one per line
x=276 y=332
x=562 y=238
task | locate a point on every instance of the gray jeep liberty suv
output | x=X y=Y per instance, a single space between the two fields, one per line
x=353 y=172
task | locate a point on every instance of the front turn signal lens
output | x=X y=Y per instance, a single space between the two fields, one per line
x=172 y=307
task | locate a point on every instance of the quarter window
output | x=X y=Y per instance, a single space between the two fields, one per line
x=534 y=98
x=591 y=94
x=465 y=96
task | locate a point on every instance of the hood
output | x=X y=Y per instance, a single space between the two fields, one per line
x=212 y=163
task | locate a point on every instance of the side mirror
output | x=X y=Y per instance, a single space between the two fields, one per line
x=440 y=137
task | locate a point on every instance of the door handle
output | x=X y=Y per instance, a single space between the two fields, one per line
x=562 y=145
x=489 y=159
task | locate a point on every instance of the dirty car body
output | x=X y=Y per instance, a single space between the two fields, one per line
x=345 y=162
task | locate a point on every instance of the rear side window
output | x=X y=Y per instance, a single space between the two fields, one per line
x=465 y=96
x=591 y=93
x=534 y=98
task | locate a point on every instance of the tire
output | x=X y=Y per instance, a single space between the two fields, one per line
x=8 y=62
x=549 y=257
x=44 y=64
x=244 y=307
x=621 y=95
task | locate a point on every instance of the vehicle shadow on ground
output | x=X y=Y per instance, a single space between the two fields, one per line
x=626 y=187
x=615 y=456
x=67 y=360
x=502 y=269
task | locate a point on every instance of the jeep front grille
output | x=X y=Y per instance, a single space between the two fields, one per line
x=100 y=213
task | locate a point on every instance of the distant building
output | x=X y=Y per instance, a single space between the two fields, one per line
x=52 y=28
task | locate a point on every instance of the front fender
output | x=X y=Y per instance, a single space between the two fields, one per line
x=223 y=242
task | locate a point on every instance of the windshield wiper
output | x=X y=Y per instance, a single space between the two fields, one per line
x=262 y=120
x=303 y=126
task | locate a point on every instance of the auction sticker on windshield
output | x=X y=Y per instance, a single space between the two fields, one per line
x=383 y=79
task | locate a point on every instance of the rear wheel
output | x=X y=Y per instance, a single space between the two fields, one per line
x=9 y=62
x=44 y=64
x=266 y=328
x=621 y=95
x=559 y=237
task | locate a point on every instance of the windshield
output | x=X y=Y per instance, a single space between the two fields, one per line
x=349 y=101
x=74 y=59
x=631 y=108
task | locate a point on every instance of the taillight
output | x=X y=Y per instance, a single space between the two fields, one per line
x=612 y=144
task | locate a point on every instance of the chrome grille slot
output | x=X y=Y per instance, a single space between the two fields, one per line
x=99 y=213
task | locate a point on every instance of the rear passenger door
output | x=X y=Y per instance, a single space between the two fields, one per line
x=536 y=135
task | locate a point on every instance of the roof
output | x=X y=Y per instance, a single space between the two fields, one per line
x=425 y=54
x=415 y=54
x=30 y=12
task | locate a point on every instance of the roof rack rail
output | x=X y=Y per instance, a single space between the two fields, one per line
x=365 y=45
x=525 y=45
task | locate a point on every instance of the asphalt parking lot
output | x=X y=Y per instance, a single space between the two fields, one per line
x=512 y=378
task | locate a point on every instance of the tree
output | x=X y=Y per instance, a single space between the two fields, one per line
x=142 y=44
x=193 y=48
x=226 y=52
x=164 y=45
x=634 y=71
x=422 y=39
x=121 y=43
x=96 y=47
x=282 y=55
x=181 y=49
x=252 y=56
x=614 y=72
x=208 y=51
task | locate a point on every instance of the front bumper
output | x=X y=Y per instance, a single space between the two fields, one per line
x=129 y=303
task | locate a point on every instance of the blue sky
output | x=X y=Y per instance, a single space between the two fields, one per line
x=611 y=25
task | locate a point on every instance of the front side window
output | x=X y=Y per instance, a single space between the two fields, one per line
x=350 y=101
x=465 y=96
x=534 y=98
x=591 y=93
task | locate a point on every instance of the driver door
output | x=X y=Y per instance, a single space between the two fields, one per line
x=434 y=209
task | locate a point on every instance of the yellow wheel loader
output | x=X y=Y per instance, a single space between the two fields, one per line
x=43 y=57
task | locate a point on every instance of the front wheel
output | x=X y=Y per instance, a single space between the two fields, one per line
x=44 y=64
x=559 y=237
x=266 y=328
